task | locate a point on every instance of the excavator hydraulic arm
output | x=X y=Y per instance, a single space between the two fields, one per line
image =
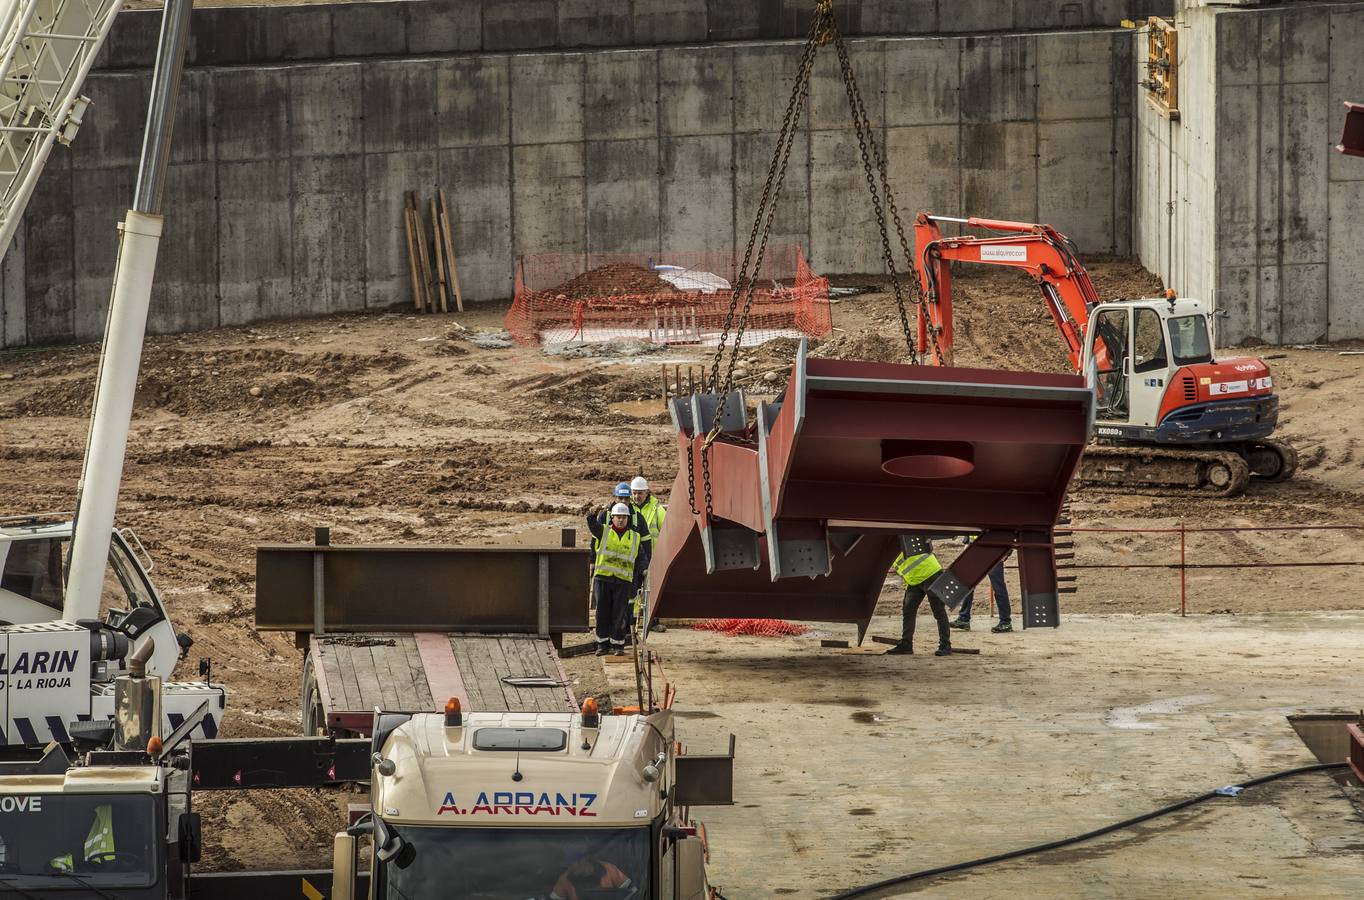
x=1040 y=250
x=853 y=463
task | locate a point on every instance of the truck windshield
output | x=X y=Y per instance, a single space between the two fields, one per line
x=518 y=864
x=1189 y=340
x=57 y=841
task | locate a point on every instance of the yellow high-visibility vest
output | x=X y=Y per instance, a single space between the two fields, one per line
x=917 y=569
x=99 y=841
x=654 y=513
x=616 y=554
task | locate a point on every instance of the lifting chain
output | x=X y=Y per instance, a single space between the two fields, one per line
x=823 y=31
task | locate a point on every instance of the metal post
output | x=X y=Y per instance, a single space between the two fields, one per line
x=1183 y=606
x=321 y=538
x=125 y=328
x=543 y=596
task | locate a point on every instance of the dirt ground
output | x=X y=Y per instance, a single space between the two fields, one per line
x=398 y=427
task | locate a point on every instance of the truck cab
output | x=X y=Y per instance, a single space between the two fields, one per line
x=114 y=828
x=494 y=806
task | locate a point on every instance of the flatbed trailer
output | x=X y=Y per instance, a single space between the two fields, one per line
x=407 y=628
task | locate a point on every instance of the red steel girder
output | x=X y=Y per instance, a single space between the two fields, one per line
x=855 y=461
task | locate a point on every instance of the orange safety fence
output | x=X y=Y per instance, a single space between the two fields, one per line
x=674 y=298
x=755 y=627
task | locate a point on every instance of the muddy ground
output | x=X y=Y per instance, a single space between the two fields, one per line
x=398 y=427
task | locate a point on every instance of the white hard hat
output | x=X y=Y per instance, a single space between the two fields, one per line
x=620 y=509
x=640 y=483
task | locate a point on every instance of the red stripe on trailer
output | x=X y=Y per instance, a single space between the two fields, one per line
x=442 y=671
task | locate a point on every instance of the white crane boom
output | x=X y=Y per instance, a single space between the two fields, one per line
x=46 y=50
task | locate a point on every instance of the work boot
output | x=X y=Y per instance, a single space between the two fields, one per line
x=1003 y=628
x=961 y=624
x=900 y=648
x=659 y=627
x=943 y=650
x=619 y=651
x=603 y=649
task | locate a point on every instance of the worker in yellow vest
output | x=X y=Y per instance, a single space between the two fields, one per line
x=652 y=513
x=622 y=558
x=99 y=842
x=917 y=569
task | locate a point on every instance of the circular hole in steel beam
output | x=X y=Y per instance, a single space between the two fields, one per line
x=927 y=459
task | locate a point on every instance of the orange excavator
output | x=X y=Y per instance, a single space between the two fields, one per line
x=1167 y=412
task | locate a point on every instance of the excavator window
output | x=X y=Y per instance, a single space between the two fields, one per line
x=1110 y=357
x=1148 y=342
x=1189 y=340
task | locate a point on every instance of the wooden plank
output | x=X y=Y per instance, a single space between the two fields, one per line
x=416 y=671
x=413 y=260
x=466 y=669
x=423 y=254
x=539 y=661
x=440 y=670
x=502 y=666
x=388 y=690
x=331 y=690
x=448 y=234
x=481 y=672
x=366 y=678
x=345 y=659
x=441 y=301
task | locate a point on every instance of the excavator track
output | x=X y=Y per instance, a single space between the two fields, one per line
x=1272 y=461
x=1214 y=473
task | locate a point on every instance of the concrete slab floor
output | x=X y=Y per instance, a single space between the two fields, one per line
x=856 y=767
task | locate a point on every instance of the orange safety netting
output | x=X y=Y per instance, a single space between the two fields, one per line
x=678 y=298
x=756 y=627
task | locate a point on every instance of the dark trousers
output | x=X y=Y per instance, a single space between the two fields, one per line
x=613 y=609
x=1001 y=596
x=914 y=595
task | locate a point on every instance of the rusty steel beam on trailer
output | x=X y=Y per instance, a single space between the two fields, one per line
x=227 y=764
x=531 y=590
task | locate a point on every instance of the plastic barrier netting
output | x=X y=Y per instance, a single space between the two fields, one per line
x=678 y=298
x=755 y=627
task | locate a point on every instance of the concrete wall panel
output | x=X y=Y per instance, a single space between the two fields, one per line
x=326 y=110
x=185 y=294
x=791 y=224
x=828 y=94
x=1306 y=144
x=1269 y=304
x=1074 y=181
x=473 y=101
x=622 y=196
x=93 y=243
x=1237 y=294
x=377 y=29
x=519 y=25
x=1347 y=83
x=1080 y=76
x=923 y=82
x=585 y=23
x=250 y=113
x=998 y=79
x=669 y=21
x=108 y=138
x=842 y=222
x=254 y=258
x=549 y=197
x=620 y=96
x=13 y=294
x=547 y=99
x=387 y=177
x=1306 y=45
x=999 y=177
x=697 y=203
x=925 y=169
x=476 y=182
x=48 y=235
x=900 y=16
x=1236 y=186
x=1306 y=310
x=445 y=26
x=763 y=77
x=695 y=91
x=400 y=107
x=328 y=227
x=1346 y=289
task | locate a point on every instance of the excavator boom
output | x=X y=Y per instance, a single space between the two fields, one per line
x=1044 y=253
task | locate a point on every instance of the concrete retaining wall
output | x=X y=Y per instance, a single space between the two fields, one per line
x=1266 y=217
x=234 y=35
x=285 y=192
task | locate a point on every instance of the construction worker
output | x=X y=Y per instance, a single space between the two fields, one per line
x=99 y=842
x=652 y=512
x=621 y=494
x=622 y=558
x=963 y=620
x=592 y=877
x=916 y=570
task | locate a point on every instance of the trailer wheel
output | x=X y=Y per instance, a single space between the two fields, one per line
x=313 y=717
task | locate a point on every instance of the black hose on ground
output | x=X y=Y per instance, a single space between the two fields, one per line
x=1229 y=791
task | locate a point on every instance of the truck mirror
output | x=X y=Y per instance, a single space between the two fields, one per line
x=190 y=837
x=136 y=623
